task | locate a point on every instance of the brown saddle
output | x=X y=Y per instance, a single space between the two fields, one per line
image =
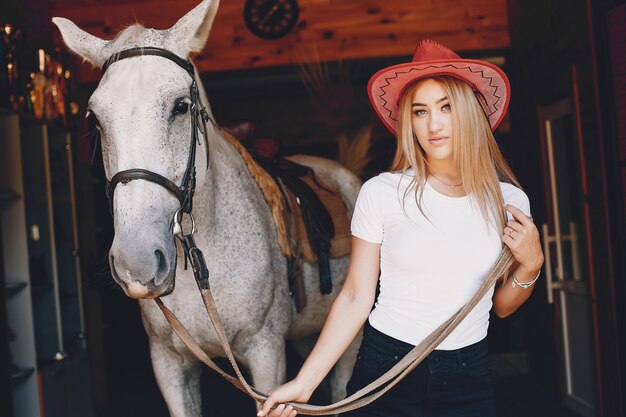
x=317 y=216
x=312 y=221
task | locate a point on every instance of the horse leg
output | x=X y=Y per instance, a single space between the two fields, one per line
x=304 y=346
x=265 y=359
x=178 y=377
x=341 y=372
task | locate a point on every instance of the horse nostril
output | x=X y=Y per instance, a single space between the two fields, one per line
x=114 y=272
x=162 y=269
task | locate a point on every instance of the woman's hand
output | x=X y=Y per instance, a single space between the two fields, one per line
x=522 y=237
x=346 y=317
x=293 y=390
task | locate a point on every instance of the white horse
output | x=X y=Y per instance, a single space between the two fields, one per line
x=142 y=110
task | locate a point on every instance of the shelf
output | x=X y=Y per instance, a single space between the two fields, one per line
x=7 y=196
x=15 y=287
x=7 y=112
x=41 y=288
x=20 y=374
x=42 y=295
x=52 y=366
x=29 y=120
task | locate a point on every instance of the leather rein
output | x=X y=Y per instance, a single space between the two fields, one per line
x=184 y=194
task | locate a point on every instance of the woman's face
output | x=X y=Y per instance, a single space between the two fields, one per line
x=432 y=121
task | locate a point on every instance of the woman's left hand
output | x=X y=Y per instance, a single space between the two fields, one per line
x=522 y=237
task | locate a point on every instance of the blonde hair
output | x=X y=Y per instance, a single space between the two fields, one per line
x=476 y=153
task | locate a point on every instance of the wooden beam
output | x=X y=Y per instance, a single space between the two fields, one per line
x=338 y=29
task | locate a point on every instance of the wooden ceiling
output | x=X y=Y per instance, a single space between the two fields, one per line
x=336 y=29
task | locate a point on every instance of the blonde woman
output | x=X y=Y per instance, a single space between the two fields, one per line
x=432 y=227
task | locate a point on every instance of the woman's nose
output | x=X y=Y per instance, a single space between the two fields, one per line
x=435 y=123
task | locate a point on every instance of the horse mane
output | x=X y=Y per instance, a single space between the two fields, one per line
x=128 y=33
x=136 y=35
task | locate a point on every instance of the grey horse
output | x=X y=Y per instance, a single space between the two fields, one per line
x=143 y=124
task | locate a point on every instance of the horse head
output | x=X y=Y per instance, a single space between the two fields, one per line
x=142 y=109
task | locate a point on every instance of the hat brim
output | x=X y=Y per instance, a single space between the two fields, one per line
x=386 y=86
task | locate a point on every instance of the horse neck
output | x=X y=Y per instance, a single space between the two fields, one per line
x=226 y=180
x=224 y=188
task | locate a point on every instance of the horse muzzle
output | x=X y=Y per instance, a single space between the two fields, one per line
x=148 y=276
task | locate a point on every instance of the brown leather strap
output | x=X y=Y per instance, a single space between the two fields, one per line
x=143 y=174
x=362 y=397
x=149 y=50
x=199 y=117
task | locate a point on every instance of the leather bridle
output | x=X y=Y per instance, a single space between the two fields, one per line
x=184 y=192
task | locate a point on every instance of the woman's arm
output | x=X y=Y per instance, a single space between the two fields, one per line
x=346 y=317
x=522 y=237
x=508 y=298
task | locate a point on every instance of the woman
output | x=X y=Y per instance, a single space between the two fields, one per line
x=432 y=226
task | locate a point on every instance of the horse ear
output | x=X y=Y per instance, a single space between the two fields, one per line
x=193 y=28
x=87 y=46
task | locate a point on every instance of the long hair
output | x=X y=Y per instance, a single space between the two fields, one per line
x=476 y=153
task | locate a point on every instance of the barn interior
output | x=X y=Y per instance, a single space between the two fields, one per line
x=73 y=345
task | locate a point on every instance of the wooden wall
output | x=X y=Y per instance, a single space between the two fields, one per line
x=339 y=29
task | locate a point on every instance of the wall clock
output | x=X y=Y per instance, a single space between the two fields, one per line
x=271 y=19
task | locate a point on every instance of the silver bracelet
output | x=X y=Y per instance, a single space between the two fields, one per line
x=524 y=285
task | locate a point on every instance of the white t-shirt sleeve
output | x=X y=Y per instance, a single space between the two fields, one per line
x=517 y=198
x=367 y=221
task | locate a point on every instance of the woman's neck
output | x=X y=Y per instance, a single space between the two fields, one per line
x=444 y=170
x=445 y=178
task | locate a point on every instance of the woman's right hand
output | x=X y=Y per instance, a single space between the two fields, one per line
x=346 y=317
x=293 y=390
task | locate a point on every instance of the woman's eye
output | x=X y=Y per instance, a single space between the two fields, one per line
x=181 y=107
x=419 y=112
x=446 y=107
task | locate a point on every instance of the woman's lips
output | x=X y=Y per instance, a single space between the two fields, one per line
x=438 y=140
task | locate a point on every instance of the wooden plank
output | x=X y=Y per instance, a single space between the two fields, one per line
x=341 y=29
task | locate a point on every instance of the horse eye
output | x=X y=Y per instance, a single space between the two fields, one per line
x=181 y=107
x=92 y=119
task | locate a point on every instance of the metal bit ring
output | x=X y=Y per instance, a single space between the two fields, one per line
x=178 y=228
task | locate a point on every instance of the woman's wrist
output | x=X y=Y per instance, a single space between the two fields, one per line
x=524 y=273
x=306 y=388
x=524 y=277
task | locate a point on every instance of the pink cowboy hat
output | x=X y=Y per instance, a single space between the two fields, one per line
x=433 y=59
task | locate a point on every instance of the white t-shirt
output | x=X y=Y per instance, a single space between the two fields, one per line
x=430 y=266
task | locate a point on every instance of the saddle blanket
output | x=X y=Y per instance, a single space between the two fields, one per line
x=283 y=215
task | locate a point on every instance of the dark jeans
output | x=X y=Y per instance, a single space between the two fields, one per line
x=453 y=383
